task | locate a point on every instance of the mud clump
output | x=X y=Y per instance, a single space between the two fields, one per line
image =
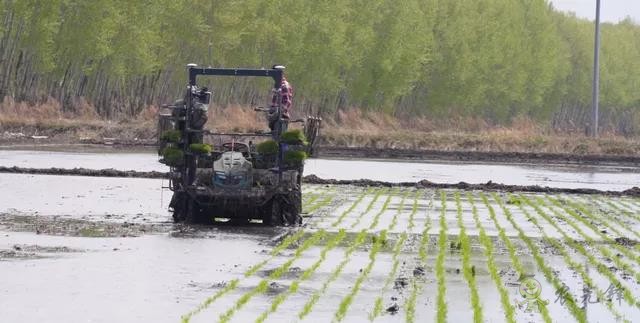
x=17 y=255
x=626 y=242
x=393 y=309
x=400 y=283
x=26 y=252
x=73 y=227
x=313 y=179
x=44 y=249
x=292 y=273
x=275 y=288
x=83 y=172
x=489 y=186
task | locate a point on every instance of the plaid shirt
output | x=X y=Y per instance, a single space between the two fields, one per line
x=287 y=95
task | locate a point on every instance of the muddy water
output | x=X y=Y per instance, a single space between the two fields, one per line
x=564 y=176
x=75 y=249
x=86 y=249
x=155 y=278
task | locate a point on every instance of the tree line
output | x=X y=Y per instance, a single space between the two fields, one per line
x=495 y=59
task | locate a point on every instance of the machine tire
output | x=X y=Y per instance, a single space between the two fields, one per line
x=284 y=210
x=273 y=216
x=296 y=207
x=196 y=215
x=179 y=206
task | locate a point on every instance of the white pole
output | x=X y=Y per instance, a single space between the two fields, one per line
x=596 y=74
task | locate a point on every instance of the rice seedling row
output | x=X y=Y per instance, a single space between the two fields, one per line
x=336 y=233
x=441 y=312
x=313 y=207
x=379 y=242
x=289 y=240
x=264 y=283
x=608 y=221
x=394 y=221
x=515 y=261
x=397 y=248
x=558 y=246
x=624 y=210
x=632 y=204
x=603 y=249
x=416 y=287
x=384 y=208
x=414 y=210
x=379 y=192
x=293 y=288
x=308 y=198
x=509 y=310
x=360 y=216
x=570 y=208
x=233 y=284
x=468 y=269
x=353 y=206
x=308 y=306
x=600 y=267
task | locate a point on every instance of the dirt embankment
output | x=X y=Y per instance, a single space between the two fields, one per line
x=83 y=172
x=357 y=136
x=478 y=156
x=312 y=179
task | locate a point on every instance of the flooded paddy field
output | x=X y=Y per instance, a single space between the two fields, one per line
x=610 y=177
x=76 y=248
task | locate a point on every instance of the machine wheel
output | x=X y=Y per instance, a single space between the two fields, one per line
x=272 y=214
x=284 y=210
x=187 y=210
x=196 y=214
x=295 y=208
x=179 y=206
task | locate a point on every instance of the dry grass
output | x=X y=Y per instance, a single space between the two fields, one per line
x=350 y=128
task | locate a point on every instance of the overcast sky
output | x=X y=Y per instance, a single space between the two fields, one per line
x=611 y=10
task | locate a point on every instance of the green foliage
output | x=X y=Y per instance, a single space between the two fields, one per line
x=171 y=136
x=200 y=148
x=267 y=147
x=295 y=156
x=172 y=156
x=436 y=57
x=294 y=137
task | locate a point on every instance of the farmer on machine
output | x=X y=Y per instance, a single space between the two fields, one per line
x=282 y=97
x=286 y=95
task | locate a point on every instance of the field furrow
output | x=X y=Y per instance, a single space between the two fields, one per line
x=571 y=259
x=599 y=264
x=379 y=254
